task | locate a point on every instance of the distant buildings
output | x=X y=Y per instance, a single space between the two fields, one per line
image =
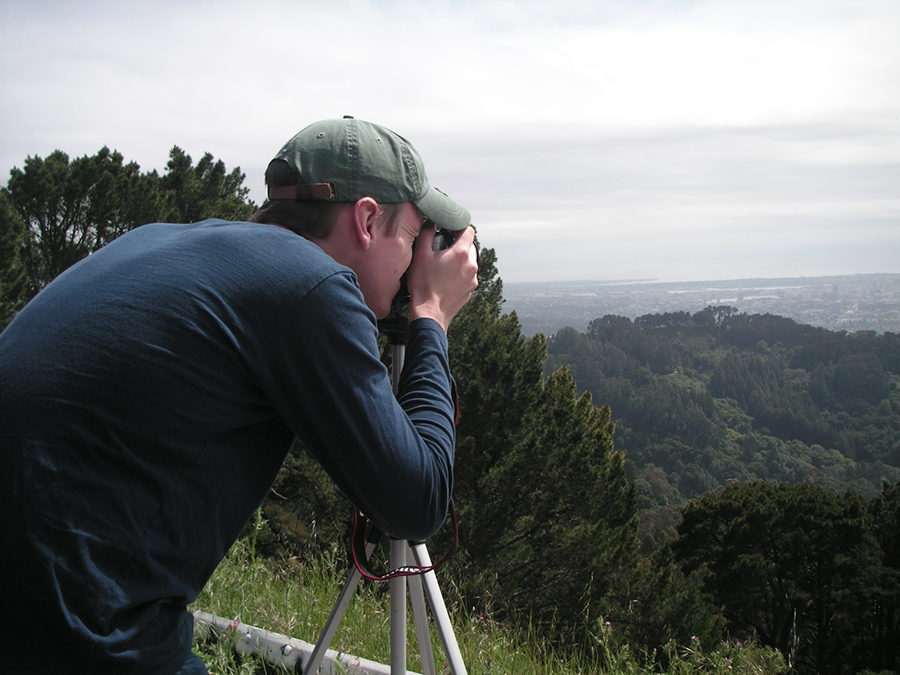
x=851 y=303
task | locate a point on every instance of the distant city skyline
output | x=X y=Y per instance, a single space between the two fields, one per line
x=590 y=139
x=852 y=303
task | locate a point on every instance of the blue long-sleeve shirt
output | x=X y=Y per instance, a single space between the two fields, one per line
x=148 y=397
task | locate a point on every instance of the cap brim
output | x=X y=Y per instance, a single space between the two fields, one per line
x=446 y=213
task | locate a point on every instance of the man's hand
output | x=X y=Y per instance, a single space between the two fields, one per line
x=441 y=282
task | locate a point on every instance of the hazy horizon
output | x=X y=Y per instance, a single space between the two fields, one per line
x=611 y=282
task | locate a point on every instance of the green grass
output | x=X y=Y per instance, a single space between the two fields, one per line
x=294 y=598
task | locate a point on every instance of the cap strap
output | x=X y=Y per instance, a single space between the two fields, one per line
x=303 y=191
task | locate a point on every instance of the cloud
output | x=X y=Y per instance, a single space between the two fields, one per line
x=651 y=139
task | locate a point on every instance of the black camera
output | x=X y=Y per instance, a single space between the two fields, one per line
x=395 y=324
x=443 y=239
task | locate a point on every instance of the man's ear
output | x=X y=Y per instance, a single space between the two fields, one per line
x=365 y=217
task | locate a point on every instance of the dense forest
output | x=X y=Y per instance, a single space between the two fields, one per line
x=704 y=400
x=672 y=479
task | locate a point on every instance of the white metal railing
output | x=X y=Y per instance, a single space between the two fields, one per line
x=283 y=650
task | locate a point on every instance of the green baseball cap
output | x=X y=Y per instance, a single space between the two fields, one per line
x=344 y=160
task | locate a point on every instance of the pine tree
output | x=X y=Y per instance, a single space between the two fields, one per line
x=207 y=190
x=790 y=564
x=13 y=279
x=547 y=515
x=71 y=209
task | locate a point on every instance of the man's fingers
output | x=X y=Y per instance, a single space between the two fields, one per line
x=426 y=237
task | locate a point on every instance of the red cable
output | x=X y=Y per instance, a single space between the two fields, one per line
x=362 y=563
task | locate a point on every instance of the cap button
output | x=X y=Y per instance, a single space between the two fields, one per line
x=348 y=117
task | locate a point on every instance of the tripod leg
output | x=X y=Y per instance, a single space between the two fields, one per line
x=420 y=617
x=398 y=609
x=331 y=626
x=439 y=612
x=334 y=619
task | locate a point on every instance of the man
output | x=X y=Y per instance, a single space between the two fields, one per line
x=150 y=393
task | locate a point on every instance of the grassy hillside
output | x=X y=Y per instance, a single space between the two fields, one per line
x=294 y=597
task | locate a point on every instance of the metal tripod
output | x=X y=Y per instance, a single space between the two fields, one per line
x=401 y=553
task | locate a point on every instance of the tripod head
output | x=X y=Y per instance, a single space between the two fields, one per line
x=396 y=324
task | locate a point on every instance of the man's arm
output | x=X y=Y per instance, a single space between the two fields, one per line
x=392 y=458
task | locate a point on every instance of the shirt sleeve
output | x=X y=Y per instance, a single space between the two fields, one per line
x=392 y=456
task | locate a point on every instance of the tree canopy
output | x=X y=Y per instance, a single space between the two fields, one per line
x=69 y=209
x=802 y=569
x=702 y=400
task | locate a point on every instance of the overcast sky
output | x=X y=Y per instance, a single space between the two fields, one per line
x=591 y=139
